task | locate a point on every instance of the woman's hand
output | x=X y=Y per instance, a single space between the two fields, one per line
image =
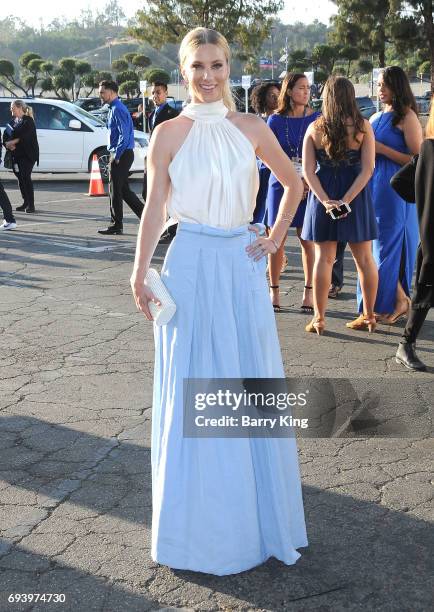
x=305 y=188
x=330 y=205
x=142 y=295
x=261 y=247
x=10 y=146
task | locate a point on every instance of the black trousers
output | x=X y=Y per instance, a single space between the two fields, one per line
x=120 y=189
x=415 y=321
x=338 y=266
x=23 y=171
x=5 y=205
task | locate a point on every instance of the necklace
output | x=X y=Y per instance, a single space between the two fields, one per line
x=294 y=150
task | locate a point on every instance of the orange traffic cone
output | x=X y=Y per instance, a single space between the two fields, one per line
x=96 y=187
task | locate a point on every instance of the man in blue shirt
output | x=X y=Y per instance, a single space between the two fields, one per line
x=121 y=149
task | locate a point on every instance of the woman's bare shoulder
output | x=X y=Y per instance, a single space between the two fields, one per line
x=245 y=119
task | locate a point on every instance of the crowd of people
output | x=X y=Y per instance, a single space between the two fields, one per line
x=345 y=162
x=224 y=504
x=347 y=165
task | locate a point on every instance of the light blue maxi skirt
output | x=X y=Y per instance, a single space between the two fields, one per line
x=220 y=505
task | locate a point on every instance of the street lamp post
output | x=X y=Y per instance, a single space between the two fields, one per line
x=109 y=40
x=272 y=50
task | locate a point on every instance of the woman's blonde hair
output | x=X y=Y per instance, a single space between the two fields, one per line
x=204 y=36
x=27 y=110
x=429 y=130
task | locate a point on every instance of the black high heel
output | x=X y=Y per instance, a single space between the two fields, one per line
x=276 y=307
x=307 y=309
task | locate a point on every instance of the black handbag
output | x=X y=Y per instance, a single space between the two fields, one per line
x=403 y=181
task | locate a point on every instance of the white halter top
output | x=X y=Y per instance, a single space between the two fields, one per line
x=214 y=176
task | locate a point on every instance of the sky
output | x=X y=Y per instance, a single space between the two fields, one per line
x=33 y=12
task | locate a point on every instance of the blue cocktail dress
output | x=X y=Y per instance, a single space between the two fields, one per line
x=336 y=177
x=290 y=132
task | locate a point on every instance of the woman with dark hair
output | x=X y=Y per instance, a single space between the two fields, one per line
x=264 y=98
x=289 y=123
x=398 y=136
x=415 y=181
x=339 y=207
x=264 y=102
x=20 y=138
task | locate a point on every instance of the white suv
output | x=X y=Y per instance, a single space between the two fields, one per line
x=68 y=137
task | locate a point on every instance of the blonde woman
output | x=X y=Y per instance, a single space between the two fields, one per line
x=220 y=505
x=20 y=138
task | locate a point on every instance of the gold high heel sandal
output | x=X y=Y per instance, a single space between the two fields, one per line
x=363 y=323
x=394 y=317
x=316 y=325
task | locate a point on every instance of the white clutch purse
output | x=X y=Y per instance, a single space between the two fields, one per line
x=161 y=314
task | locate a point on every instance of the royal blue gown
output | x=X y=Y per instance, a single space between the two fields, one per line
x=290 y=132
x=398 y=234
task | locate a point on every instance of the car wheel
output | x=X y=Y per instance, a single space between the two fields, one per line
x=103 y=161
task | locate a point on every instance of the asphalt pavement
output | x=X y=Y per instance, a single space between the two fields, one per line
x=75 y=400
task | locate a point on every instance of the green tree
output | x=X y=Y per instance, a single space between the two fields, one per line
x=120 y=64
x=324 y=57
x=113 y=13
x=46 y=84
x=128 y=88
x=299 y=60
x=365 y=24
x=364 y=66
x=141 y=61
x=127 y=75
x=425 y=68
x=350 y=54
x=413 y=28
x=245 y=23
x=157 y=75
x=31 y=69
x=129 y=56
x=7 y=73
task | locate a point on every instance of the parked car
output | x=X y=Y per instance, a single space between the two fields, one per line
x=70 y=148
x=365 y=104
x=422 y=104
x=89 y=104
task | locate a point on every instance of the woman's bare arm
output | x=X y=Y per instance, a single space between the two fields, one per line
x=413 y=137
x=309 y=167
x=368 y=164
x=269 y=150
x=154 y=213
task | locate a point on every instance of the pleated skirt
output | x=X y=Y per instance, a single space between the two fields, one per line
x=220 y=505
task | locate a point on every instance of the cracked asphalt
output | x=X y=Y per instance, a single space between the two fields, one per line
x=75 y=400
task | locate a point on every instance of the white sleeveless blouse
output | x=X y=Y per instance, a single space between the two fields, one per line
x=214 y=175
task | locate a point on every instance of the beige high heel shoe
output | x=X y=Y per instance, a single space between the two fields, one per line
x=316 y=325
x=363 y=323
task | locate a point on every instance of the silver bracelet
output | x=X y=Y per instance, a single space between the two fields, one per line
x=275 y=243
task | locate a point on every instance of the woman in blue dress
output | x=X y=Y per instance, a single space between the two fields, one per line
x=338 y=161
x=289 y=123
x=263 y=99
x=398 y=136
